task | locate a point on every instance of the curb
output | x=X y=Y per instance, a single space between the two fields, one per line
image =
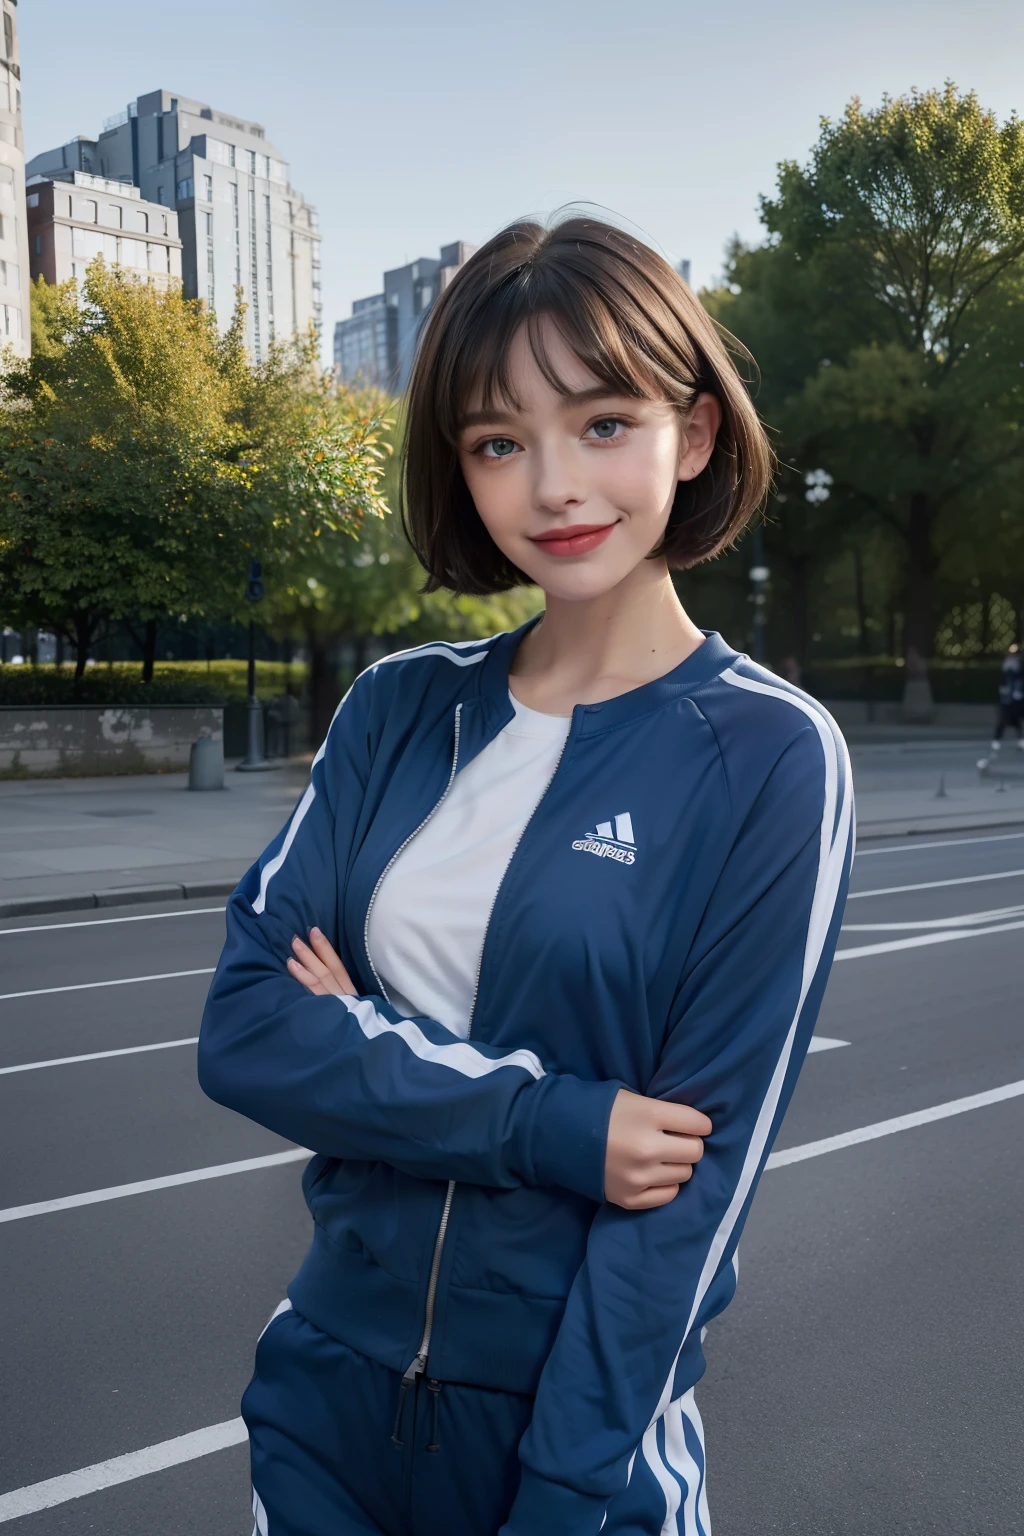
x=872 y=831
x=82 y=901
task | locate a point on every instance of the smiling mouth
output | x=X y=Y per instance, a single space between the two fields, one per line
x=576 y=540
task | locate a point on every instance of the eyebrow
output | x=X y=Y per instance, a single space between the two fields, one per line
x=570 y=399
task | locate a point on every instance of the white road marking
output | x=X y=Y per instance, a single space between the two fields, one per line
x=949 y=842
x=144 y=1186
x=933 y=885
x=127 y=1050
x=170 y=1453
x=920 y=940
x=121 y=981
x=824 y=1043
x=121 y=1469
x=898 y=1123
x=964 y=920
x=102 y=922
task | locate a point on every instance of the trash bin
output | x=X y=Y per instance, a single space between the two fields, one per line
x=206 y=764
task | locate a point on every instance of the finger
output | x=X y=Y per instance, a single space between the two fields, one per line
x=682 y=1149
x=327 y=953
x=649 y=1199
x=682 y=1120
x=307 y=958
x=313 y=983
x=324 y=949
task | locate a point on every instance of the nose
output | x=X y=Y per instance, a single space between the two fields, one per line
x=558 y=484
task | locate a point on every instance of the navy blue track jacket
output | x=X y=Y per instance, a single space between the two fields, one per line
x=666 y=923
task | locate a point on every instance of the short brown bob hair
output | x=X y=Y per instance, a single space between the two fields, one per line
x=634 y=323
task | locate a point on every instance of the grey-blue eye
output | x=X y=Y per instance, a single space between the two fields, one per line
x=606 y=427
x=500 y=447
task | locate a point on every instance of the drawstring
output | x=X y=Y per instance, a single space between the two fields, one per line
x=411 y=1378
x=396 y=1432
x=434 y=1388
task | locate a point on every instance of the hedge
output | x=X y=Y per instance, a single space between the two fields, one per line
x=121 y=684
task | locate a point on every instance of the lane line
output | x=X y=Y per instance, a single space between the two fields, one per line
x=962 y=920
x=102 y=922
x=824 y=1043
x=933 y=885
x=862 y=951
x=201 y=1442
x=67 y=1061
x=952 y=842
x=891 y=1127
x=121 y=1469
x=121 y=981
x=144 y=1186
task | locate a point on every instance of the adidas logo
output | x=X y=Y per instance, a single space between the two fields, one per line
x=609 y=842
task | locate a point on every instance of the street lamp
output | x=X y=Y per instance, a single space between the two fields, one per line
x=819 y=486
x=255 y=759
x=759 y=574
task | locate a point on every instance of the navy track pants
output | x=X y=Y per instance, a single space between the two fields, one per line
x=322 y=1432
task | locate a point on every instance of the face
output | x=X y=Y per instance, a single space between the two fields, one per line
x=576 y=489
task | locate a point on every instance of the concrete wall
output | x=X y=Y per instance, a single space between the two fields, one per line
x=85 y=740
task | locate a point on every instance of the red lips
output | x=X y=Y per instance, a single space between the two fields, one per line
x=578 y=539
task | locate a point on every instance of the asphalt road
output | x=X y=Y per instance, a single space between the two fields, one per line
x=867 y=1379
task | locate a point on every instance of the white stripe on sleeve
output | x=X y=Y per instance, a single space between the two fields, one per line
x=460 y=1055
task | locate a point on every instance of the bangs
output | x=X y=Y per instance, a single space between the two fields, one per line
x=614 y=345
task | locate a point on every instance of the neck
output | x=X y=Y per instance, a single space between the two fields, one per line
x=586 y=651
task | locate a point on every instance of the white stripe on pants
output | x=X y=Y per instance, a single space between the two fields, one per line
x=259 y=1524
x=680 y=1468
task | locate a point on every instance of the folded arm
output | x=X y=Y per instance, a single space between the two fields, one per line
x=350 y=1076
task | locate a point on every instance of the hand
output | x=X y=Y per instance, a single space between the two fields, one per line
x=319 y=966
x=652 y=1148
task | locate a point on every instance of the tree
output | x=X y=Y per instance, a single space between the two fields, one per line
x=906 y=232
x=144 y=460
x=120 y=465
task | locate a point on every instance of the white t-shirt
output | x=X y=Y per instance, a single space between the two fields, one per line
x=430 y=916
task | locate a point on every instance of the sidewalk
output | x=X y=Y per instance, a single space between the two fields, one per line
x=75 y=843
x=90 y=842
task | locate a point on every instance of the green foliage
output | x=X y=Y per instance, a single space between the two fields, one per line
x=886 y=311
x=144 y=460
x=174 y=682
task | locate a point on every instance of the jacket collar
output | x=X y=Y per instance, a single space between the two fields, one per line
x=703 y=664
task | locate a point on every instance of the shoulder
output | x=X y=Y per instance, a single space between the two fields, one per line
x=781 y=749
x=412 y=678
x=757 y=714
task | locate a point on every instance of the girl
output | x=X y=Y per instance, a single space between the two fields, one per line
x=571 y=895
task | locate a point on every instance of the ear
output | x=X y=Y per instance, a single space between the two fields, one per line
x=697 y=438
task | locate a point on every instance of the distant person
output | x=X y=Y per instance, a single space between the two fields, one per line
x=1011 y=704
x=550 y=925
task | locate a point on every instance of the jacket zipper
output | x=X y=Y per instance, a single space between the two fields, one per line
x=419 y=1362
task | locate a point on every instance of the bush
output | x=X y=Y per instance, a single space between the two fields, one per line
x=882 y=681
x=120 y=684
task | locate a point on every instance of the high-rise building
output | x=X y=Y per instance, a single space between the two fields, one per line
x=241 y=223
x=365 y=344
x=74 y=216
x=377 y=343
x=15 y=330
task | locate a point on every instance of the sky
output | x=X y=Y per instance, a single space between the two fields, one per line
x=412 y=125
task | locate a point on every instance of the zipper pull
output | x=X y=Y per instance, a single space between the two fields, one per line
x=408 y=1380
x=434 y=1388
